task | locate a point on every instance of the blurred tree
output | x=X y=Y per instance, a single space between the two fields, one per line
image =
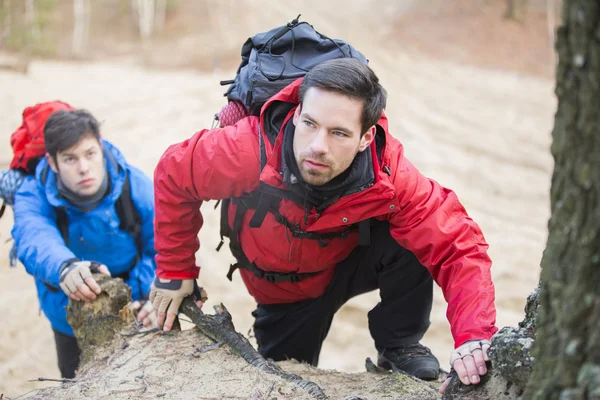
x=81 y=26
x=32 y=20
x=149 y=16
x=6 y=19
x=567 y=348
x=22 y=24
x=515 y=10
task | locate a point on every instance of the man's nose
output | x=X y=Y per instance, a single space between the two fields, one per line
x=84 y=166
x=319 y=143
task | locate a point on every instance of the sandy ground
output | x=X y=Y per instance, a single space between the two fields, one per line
x=484 y=132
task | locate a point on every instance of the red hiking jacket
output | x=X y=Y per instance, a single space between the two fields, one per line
x=424 y=217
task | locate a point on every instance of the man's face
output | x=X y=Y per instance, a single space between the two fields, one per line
x=80 y=167
x=328 y=135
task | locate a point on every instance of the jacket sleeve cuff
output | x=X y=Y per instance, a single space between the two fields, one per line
x=178 y=275
x=65 y=264
x=483 y=334
x=52 y=276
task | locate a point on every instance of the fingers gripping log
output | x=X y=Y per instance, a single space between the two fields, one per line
x=219 y=327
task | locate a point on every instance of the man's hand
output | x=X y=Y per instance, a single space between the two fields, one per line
x=146 y=314
x=468 y=361
x=166 y=296
x=77 y=282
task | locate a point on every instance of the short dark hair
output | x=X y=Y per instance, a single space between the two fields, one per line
x=350 y=77
x=64 y=129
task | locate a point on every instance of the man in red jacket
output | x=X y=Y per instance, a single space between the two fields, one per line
x=324 y=206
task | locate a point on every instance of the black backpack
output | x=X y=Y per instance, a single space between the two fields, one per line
x=271 y=61
x=274 y=59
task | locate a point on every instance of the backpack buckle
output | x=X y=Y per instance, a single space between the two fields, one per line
x=232 y=269
x=273 y=277
x=294 y=22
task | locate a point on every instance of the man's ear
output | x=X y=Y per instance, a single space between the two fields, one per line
x=51 y=163
x=297 y=113
x=367 y=138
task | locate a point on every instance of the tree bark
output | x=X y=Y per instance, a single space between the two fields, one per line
x=567 y=348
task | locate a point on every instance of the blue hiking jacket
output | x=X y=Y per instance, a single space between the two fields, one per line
x=93 y=235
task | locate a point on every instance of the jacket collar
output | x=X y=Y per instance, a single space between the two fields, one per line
x=283 y=105
x=279 y=109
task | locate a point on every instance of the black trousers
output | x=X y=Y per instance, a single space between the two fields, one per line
x=297 y=330
x=68 y=354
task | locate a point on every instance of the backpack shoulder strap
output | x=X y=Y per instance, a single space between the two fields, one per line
x=125 y=209
x=262 y=150
x=62 y=223
x=62 y=219
x=44 y=175
x=128 y=214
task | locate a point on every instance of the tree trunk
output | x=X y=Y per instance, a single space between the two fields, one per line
x=5 y=13
x=144 y=12
x=515 y=10
x=161 y=14
x=122 y=360
x=32 y=22
x=81 y=26
x=567 y=348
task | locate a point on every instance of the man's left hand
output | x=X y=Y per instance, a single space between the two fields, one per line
x=468 y=361
x=146 y=314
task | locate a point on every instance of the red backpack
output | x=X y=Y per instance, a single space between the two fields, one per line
x=27 y=141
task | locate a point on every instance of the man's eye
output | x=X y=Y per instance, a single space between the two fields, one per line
x=309 y=124
x=338 y=133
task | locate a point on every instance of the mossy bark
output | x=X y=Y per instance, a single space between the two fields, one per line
x=96 y=324
x=511 y=362
x=567 y=348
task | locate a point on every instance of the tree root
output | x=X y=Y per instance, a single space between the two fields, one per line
x=220 y=328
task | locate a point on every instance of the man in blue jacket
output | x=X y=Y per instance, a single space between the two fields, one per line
x=69 y=223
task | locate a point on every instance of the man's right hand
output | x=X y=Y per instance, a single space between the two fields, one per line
x=166 y=296
x=468 y=360
x=77 y=282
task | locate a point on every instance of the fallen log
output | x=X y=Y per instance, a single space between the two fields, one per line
x=121 y=360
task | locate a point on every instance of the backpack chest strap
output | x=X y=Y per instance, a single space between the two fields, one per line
x=268 y=203
x=272 y=277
